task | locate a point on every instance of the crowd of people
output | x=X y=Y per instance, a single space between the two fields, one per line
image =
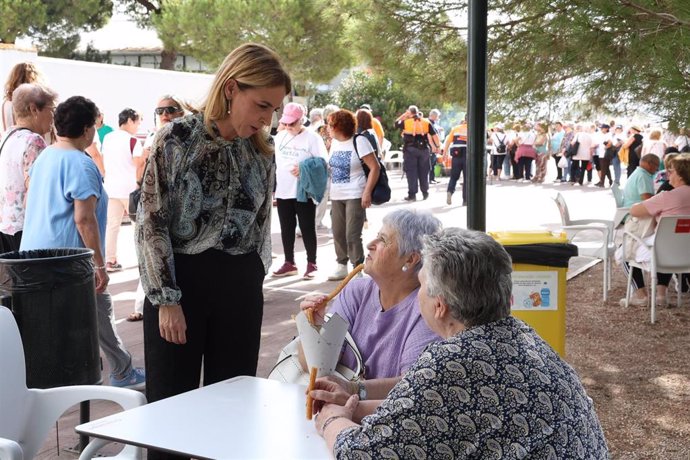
x=449 y=372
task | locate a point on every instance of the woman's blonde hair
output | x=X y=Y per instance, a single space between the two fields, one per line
x=655 y=135
x=252 y=66
x=24 y=72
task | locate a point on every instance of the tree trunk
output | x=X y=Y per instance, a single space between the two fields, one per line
x=168 y=59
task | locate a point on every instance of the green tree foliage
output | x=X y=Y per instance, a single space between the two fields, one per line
x=616 y=55
x=151 y=13
x=53 y=25
x=306 y=33
x=16 y=16
x=387 y=99
x=430 y=64
x=619 y=56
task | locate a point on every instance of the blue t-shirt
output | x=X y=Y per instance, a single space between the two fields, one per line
x=640 y=181
x=58 y=177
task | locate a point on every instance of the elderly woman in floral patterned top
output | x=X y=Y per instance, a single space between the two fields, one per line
x=492 y=389
x=34 y=106
x=203 y=228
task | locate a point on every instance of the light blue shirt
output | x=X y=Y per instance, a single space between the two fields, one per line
x=58 y=177
x=640 y=181
x=556 y=139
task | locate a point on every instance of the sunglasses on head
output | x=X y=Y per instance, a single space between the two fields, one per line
x=169 y=110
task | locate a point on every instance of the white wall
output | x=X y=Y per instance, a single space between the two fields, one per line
x=111 y=87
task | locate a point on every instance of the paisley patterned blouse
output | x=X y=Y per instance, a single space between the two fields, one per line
x=199 y=192
x=494 y=391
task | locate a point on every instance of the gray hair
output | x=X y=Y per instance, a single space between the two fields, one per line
x=411 y=226
x=329 y=109
x=316 y=114
x=471 y=272
x=31 y=93
x=435 y=112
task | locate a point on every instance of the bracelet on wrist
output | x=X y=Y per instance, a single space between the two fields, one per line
x=102 y=267
x=330 y=420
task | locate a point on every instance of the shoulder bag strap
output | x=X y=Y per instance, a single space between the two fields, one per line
x=10 y=135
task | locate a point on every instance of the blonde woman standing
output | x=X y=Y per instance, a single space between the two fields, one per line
x=203 y=229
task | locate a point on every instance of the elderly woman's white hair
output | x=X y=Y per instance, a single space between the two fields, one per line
x=411 y=226
x=471 y=272
x=329 y=109
x=31 y=93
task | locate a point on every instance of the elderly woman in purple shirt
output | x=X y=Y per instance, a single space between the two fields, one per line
x=382 y=309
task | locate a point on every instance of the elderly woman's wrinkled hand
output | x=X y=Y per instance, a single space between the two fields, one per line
x=330 y=411
x=331 y=390
x=317 y=304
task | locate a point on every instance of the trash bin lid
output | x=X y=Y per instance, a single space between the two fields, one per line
x=512 y=238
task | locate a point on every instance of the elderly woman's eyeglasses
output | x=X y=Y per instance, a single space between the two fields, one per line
x=169 y=110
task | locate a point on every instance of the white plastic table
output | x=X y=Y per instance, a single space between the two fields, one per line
x=240 y=418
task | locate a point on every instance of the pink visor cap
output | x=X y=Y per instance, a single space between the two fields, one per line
x=291 y=113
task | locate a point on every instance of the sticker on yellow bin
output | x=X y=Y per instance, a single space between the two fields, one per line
x=534 y=290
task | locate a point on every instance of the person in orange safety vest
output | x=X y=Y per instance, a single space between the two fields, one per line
x=456 y=148
x=417 y=134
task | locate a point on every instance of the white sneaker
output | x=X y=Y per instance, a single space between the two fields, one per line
x=340 y=273
x=635 y=301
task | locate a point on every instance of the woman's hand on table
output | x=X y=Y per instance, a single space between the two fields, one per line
x=335 y=411
x=172 y=324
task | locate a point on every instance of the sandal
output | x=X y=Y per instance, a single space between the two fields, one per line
x=135 y=316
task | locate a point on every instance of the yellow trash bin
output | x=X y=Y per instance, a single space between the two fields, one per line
x=540 y=265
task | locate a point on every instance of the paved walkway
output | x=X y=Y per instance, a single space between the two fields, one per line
x=509 y=206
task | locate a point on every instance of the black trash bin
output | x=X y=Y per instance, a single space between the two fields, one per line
x=53 y=299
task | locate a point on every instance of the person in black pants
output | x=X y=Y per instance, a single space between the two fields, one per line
x=634 y=141
x=417 y=133
x=203 y=230
x=295 y=146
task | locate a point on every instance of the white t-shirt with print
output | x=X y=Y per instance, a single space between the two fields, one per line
x=118 y=160
x=290 y=151
x=347 y=176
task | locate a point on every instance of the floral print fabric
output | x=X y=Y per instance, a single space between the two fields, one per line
x=200 y=192
x=19 y=152
x=491 y=392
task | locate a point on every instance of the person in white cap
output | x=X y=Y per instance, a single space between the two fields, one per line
x=294 y=145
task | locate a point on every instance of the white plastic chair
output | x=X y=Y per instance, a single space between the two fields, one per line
x=670 y=254
x=602 y=247
x=621 y=211
x=10 y=450
x=27 y=415
x=394 y=158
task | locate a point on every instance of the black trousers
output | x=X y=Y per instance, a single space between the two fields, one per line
x=222 y=300
x=416 y=167
x=497 y=163
x=9 y=243
x=458 y=165
x=633 y=162
x=289 y=212
x=578 y=169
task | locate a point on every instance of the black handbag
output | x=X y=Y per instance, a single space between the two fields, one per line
x=382 y=191
x=134 y=198
x=572 y=149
